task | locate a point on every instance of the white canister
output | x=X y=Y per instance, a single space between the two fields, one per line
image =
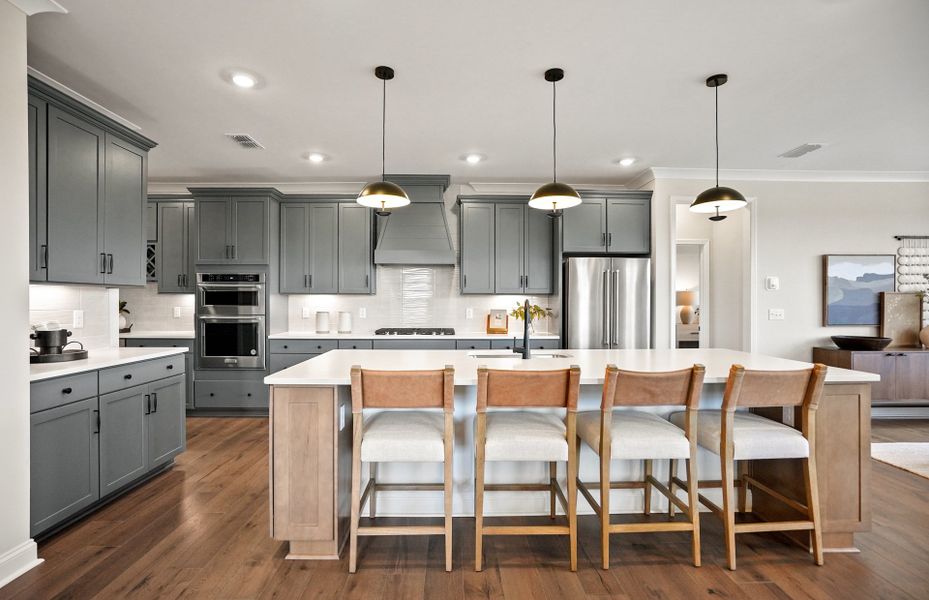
x=345 y=322
x=322 y=321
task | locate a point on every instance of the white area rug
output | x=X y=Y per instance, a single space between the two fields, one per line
x=912 y=457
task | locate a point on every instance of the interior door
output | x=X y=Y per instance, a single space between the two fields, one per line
x=586 y=282
x=630 y=298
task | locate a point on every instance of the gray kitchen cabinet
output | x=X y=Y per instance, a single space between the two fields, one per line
x=295 y=248
x=250 y=227
x=64 y=463
x=172 y=343
x=233 y=226
x=380 y=344
x=38 y=197
x=123 y=452
x=212 y=231
x=534 y=344
x=323 y=245
x=476 y=235
x=151 y=222
x=166 y=431
x=472 y=344
x=356 y=261
x=540 y=260
x=125 y=178
x=282 y=361
x=177 y=232
x=509 y=248
x=614 y=223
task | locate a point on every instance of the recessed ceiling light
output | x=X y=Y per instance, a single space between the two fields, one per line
x=316 y=157
x=627 y=162
x=243 y=80
x=473 y=159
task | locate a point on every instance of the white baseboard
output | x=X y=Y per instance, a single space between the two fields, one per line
x=18 y=560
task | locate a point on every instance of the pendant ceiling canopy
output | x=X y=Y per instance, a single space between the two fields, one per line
x=717 y=199
x=554 y=196
x=383 y=195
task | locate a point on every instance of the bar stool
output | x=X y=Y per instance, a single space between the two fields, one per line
x=401 y=436
x=743 y=436
x=524 y=435
x=639 y=435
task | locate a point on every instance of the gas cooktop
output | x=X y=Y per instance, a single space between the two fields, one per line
x=415 y=331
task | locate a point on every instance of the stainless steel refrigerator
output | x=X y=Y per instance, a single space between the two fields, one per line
x=607 y=302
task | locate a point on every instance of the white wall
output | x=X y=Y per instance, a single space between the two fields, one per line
x=797 y=222
x=58 y=303
x=17 y=550
x=151 y=311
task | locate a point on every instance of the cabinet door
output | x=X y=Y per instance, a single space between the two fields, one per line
x=75 y=199
x=38 y=199
x=172 y=255
x=250 y=244
x=151 y=222
x=884 y=364
x=124 y=212
x=584 y=226
x=355 y=271
x=912 y=371
x=190 y=245
x=123 y=456
x=279 y=362
x=64 y=467
x=509 y=248
x=629 y=226
x=324 y=249
x=295 y=252
x=213 y=245
x=540 y=239
x=167 y=433
x=477 y=248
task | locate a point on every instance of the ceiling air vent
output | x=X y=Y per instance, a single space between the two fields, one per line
x=802 y=149
x=245 y=140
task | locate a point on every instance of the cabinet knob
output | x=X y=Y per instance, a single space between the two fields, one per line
x=319 y=347
x=285 y=346
x=249 y=394
x=127 y=376
x=67 y=390
x=212 y=394
x=169 y=367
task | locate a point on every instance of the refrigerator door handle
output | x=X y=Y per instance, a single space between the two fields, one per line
x=617 y=309
x=606 y=309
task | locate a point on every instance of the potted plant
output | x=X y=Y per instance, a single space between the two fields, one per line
x=535 y=312
x=124 y=325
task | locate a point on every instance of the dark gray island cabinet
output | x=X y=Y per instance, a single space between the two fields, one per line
x=98 y=433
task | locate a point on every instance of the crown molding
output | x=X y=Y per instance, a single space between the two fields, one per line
x=528 y=187
x=34 y=7
x=792 y=175
x=287 y=188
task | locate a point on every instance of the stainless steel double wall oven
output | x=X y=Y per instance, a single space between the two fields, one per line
x=231 y=320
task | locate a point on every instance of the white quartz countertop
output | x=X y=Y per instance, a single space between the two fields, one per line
x=369 y=335
x=333 y=368
x=99 y=358
x=158 y=334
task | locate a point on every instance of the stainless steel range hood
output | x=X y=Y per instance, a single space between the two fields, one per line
x=416 y=234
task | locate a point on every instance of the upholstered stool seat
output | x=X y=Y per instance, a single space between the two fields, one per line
x=404 y=436
x=753 y=436
x=525 y=435
x=636 y=435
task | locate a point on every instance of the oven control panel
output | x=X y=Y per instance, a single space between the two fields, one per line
x=231 y=277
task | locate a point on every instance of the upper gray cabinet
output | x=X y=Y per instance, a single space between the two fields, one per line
x=614 y=223
x=177 y=237
x=233 y=225
x=326 y=247
x=506 y=247
x=88 y=177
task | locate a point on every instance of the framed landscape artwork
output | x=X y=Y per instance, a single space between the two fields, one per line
x=852 y=285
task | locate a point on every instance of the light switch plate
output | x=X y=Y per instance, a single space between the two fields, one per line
x=775 y=314
x=77 y=319
x=177 y=312
x=305 y=313
x=469 y=313
x=362 y=313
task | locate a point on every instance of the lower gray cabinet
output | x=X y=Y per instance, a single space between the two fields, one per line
x=122 y=437
x=165 y=431
x=279 y=362
x=414 y=344
x=65 y=471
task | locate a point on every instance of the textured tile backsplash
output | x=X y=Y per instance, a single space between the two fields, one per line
x=151 y=311
x=415 y=297
x=58 y=303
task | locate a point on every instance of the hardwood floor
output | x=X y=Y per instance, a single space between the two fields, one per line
x=201 y=531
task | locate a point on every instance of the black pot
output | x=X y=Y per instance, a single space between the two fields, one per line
x=50 y=342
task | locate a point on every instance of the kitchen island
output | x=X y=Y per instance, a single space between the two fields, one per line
x=311 y=425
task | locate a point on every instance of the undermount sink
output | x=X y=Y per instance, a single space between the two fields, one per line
x=535 y=354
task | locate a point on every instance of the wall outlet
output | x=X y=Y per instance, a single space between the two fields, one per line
x=305 y=312
x=772 y=282
x=177 y=312
x=775 y=314
x=469 y=313
x=77 y=319
x=362 y=313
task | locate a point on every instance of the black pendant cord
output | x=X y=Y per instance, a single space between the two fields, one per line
x=384 y=131
x=554 y=137
x=716 y=94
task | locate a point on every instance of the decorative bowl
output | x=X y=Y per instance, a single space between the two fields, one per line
x=860 y=342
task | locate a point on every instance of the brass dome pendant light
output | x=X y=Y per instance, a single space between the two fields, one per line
x=554 y=196
x=717 y=199
x=383 y=195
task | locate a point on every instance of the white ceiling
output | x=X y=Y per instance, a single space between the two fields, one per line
x=852 y=73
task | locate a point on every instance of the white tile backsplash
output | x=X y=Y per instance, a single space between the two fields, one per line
x=58 y=303
x=151 y=311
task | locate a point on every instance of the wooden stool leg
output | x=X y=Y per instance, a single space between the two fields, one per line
x=448 y=479
x=743 y=485
x=648 y=487
x=480 y=438
x=572 y=488
x=356 y=495
x=671 y=484
x=605 y=510
x=693 y=503
x=552 y=482
x=812 y=502
x=372 y=502
x=726 y=468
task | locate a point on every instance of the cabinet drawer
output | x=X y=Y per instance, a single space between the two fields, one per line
x=159 y=343
x=62 y=390
x=472 y=344
x=414 y=344
x=534 y=344
x=118 y=378
x=303 y=346
x=356 y=344
x=279 y=362
x=231 y=394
